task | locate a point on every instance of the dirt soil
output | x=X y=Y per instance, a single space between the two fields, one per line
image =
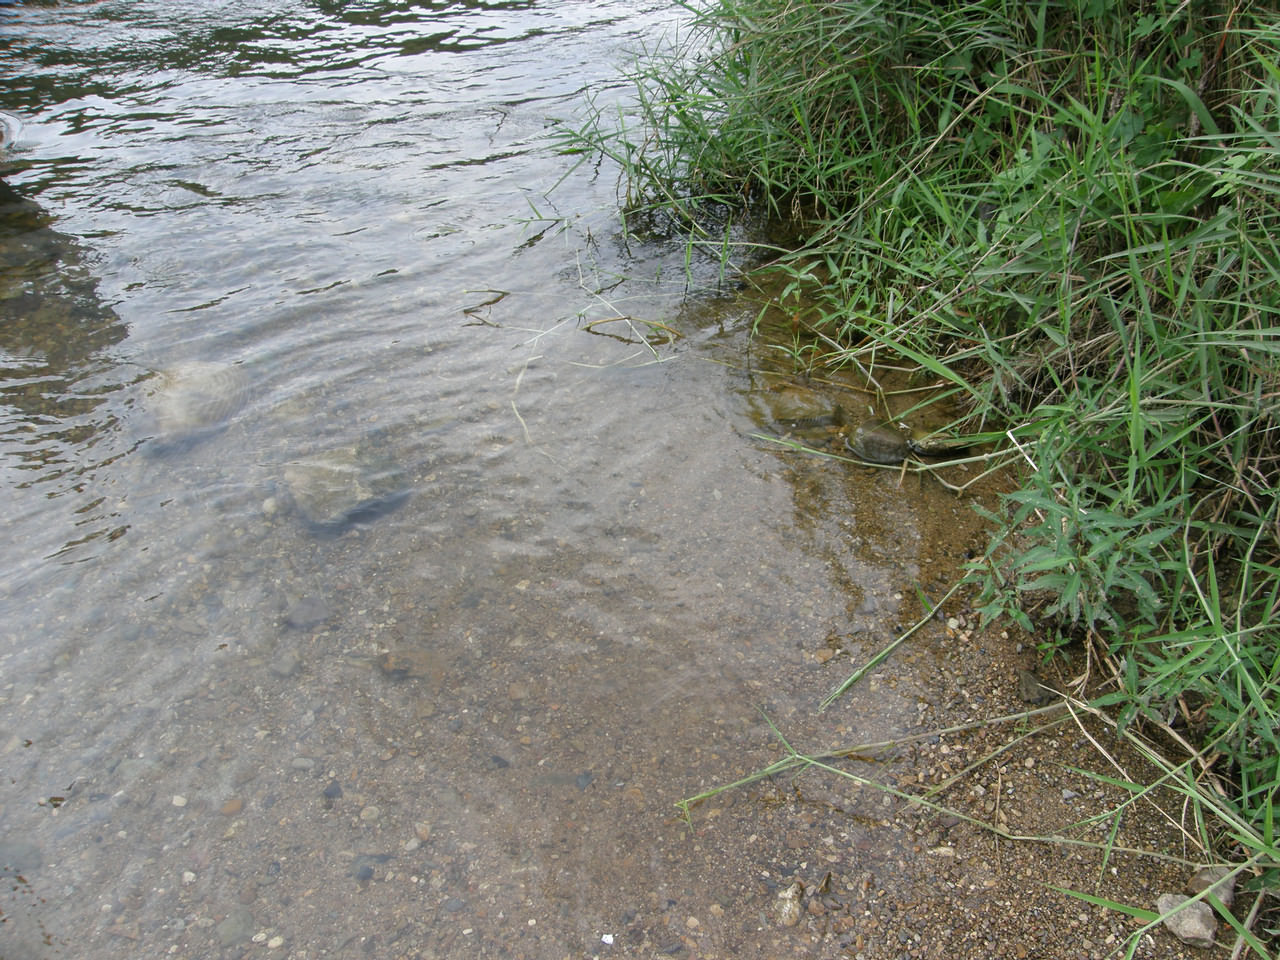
x=884 y=878
x=1021 y=811
x=952 y=886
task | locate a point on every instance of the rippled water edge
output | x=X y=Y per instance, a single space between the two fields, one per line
x=462 y=725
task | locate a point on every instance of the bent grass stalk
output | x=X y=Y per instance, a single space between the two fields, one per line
x=884 y=653
x=1266 y=856
x=996 y=462
x=796 y=763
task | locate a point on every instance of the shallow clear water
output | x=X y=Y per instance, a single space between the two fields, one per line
x=454 y=718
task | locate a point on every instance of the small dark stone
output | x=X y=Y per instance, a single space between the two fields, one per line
x=1030 y=689
x=1220 y=878
x=367 y=861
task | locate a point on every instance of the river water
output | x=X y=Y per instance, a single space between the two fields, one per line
x=452 y=715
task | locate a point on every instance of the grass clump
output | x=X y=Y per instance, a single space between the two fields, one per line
x=1067 y=213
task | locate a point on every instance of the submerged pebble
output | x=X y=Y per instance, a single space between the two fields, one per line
x=307 y=612
x=789 y=905
x=877 y=441
x=237 y=927
x=192 y=401
x=346 y=485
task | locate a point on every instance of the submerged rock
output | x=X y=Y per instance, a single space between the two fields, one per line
x=307 y=612
x=352 y=484
x=192 y=401
x=877 y=441
x=236 y=927
x=789 y=905
x=810 y=419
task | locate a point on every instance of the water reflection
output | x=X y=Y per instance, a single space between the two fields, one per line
x=56 y=372
x=111 y=51
x=51 y=316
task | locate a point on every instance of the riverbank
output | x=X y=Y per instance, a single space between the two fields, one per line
x=960 y=793
x=1062 y=219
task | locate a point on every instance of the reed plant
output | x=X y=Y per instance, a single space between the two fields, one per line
x=1066 y=213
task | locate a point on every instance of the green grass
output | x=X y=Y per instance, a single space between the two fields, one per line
x=1067 y=215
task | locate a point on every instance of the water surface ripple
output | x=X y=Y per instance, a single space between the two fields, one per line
x=449 y=715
